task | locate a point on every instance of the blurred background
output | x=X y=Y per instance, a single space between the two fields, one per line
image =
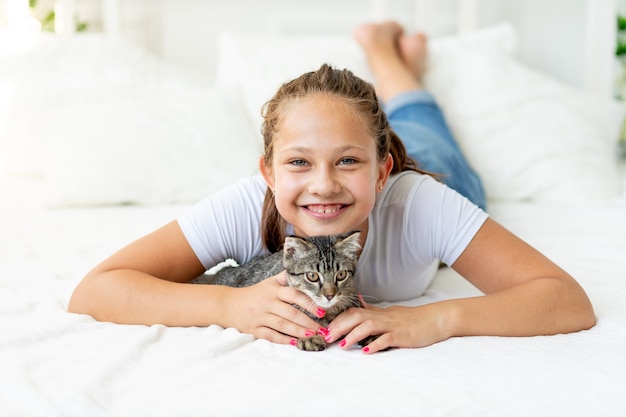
x=552 y=33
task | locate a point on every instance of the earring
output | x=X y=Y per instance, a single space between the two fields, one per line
x=380 y=187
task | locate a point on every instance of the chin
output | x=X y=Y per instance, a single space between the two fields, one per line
x=327 y=230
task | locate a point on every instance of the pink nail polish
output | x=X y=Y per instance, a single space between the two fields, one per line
x=366 y=349
x=342 y=343
x=327 y=338
x=321 y=312
x=293 y=342
x=362 y=300
x=324 y=332
x=309 y=333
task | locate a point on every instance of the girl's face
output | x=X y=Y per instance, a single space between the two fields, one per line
x=324 y=171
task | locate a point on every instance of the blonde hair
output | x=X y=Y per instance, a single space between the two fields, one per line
x=361 y=96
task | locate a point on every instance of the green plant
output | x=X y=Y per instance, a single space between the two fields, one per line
x=47 y=24
x=620 y=48
x=48 y=21
x=620 y=53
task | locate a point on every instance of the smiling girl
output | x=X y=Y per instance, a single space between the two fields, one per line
x=334 y=162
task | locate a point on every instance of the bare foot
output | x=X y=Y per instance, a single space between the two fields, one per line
x=413 y=50
x=381 y=44
x=378 y=35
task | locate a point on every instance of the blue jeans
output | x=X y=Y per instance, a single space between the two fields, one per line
x=418 y=121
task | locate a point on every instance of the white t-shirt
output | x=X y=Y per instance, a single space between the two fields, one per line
x=415 y=223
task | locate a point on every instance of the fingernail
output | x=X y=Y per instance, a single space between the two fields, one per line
x=327 y=338
x=324 y=332
x=342 y=343
x=366 y=349
x=293 y=342
x=321 y=312
x=309 y=333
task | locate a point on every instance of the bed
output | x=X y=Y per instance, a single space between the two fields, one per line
x=102 y=142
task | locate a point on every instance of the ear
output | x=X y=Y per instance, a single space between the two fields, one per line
x=351 y=243
x=293 y=248
x=266 y=172
x=384 y=170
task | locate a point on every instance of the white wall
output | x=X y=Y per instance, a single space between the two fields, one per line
x=552 y=32
x=190 y=27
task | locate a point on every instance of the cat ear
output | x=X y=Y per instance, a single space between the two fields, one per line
x=351 y=242
x=294 y=247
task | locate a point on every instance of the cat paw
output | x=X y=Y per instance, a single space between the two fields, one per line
x=312 y=344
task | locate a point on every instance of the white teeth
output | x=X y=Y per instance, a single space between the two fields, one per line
x=324 y=210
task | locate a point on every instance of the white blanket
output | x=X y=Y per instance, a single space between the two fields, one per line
x=58 y=364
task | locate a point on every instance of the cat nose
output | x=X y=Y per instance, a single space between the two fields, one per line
x=329 y=296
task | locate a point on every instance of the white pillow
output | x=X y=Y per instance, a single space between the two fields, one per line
x=105 y=122
x=260 y=64
x=528 y=136
x=50 y=71
x=148 y=150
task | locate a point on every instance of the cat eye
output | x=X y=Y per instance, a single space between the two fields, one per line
x=312 y=276
x=341 y=275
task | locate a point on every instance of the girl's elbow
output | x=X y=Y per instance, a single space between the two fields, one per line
x=583 y=311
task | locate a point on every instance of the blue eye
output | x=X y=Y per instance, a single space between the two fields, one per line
x=298 y=162
x=347 y=161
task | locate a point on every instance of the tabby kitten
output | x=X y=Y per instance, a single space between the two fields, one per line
x=322 y=267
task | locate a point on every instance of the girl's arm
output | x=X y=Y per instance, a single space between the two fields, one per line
x=146 y=282
x=526 y=295
x=534 y=295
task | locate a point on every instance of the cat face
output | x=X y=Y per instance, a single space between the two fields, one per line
x=323 y=267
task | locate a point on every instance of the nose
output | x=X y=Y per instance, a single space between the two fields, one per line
x=324 y=183
x=329 y=291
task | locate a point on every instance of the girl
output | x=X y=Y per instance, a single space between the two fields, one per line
x=333 y=164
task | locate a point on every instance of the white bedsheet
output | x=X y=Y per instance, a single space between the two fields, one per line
x=53 y=363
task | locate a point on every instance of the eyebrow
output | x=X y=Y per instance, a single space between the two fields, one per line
x=342 y=149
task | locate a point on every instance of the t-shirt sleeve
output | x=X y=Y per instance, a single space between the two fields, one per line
x=442 y=221
x=226 y=224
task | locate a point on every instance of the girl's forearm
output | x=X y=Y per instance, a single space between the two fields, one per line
x=131 y=297
x=539 y=307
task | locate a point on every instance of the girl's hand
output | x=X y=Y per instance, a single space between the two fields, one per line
x=265 y=310
x=397 y=326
